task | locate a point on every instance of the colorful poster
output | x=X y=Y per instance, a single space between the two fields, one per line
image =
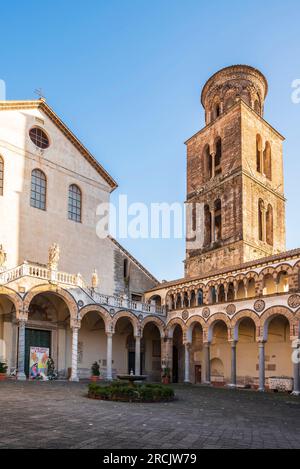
x=38 y=362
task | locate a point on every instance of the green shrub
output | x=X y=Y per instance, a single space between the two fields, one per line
x=95 y=369
x=3 y=367
x=138 y=393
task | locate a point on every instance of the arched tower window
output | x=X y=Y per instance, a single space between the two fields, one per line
x=268 y=161
x=207 y=163
x=218 y=157
x=258 y=154
x=260 y=220
x=216 y=111
x=207 y=226
x=1 y=175
x=218 y=220
x=38 y=189
x=245 y=97
x=269 y=225
x=257 y=107
x=75 y=203
x=194 y=217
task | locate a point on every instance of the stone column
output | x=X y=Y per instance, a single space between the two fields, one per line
x=21 y=350
x=233 y=364
x=169 y=355
x=74 y=372
x=261 y=348
x=109 y=337
x=187 y=363
x=207 y=362
x=137 y=355
x=296 y=367
x=213 y=157
x=263 y=224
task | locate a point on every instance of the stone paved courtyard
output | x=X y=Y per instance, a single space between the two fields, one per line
x=58 y=415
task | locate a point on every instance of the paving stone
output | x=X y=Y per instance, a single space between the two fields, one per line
x=59 y=415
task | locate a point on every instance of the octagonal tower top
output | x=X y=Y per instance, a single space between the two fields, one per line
x=230 y=84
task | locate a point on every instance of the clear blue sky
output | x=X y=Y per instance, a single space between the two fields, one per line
x=126 y=76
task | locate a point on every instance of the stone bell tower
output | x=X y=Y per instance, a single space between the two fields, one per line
x=234 y=176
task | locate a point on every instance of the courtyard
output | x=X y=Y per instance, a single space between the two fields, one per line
x=59 y=415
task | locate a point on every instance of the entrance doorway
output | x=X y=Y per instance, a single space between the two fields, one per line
x=175 y=365
x=35 y=338
x=198 y=376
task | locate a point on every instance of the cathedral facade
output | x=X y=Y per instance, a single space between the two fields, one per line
x=234 y=317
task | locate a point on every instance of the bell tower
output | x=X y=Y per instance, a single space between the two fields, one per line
x=235 y=192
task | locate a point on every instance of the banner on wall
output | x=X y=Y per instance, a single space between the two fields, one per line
x=38 y=362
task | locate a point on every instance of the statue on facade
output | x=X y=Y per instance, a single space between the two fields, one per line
x=53 y=256
x=3 y=256
x=95 y=279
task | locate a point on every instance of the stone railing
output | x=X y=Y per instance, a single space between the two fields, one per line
x=126 y=303
x=36 y=271
x=41 y=272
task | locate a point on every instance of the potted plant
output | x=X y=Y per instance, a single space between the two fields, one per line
x=51 y=373
x=95 y=371
x=166 y=375
x=3 y=371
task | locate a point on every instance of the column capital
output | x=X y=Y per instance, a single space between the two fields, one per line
x=168 y=339
x=22 y=315
x=187 y=343
x=109 y=334
x=233 y=342
x=75 y=324
x=261 y=341
x=295 y=342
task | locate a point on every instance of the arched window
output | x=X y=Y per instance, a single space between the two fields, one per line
x=1 y=175
x=230 y=292
x=218 y=220
x=207 y=163
x=260 y=220
x=75 y=202
x=221 y=296
x=194 y=217
x=245 y=97
x=257 y=107
x=212 y=295
x=268 y=161
x=218 y=157
x=258 y=153
x=216 y=111
x=38 y=189
x=207 y=226
x=200 y=297
x=269 y=225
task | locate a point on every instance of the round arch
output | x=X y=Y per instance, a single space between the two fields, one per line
x=131 y=317
x=191 y=323
x=171 y=326
x=271 y=313
x=239 y=317
x=154 y=320
x=12 y=296
x=102 y=312
x=213 y=320
x=54 y=289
